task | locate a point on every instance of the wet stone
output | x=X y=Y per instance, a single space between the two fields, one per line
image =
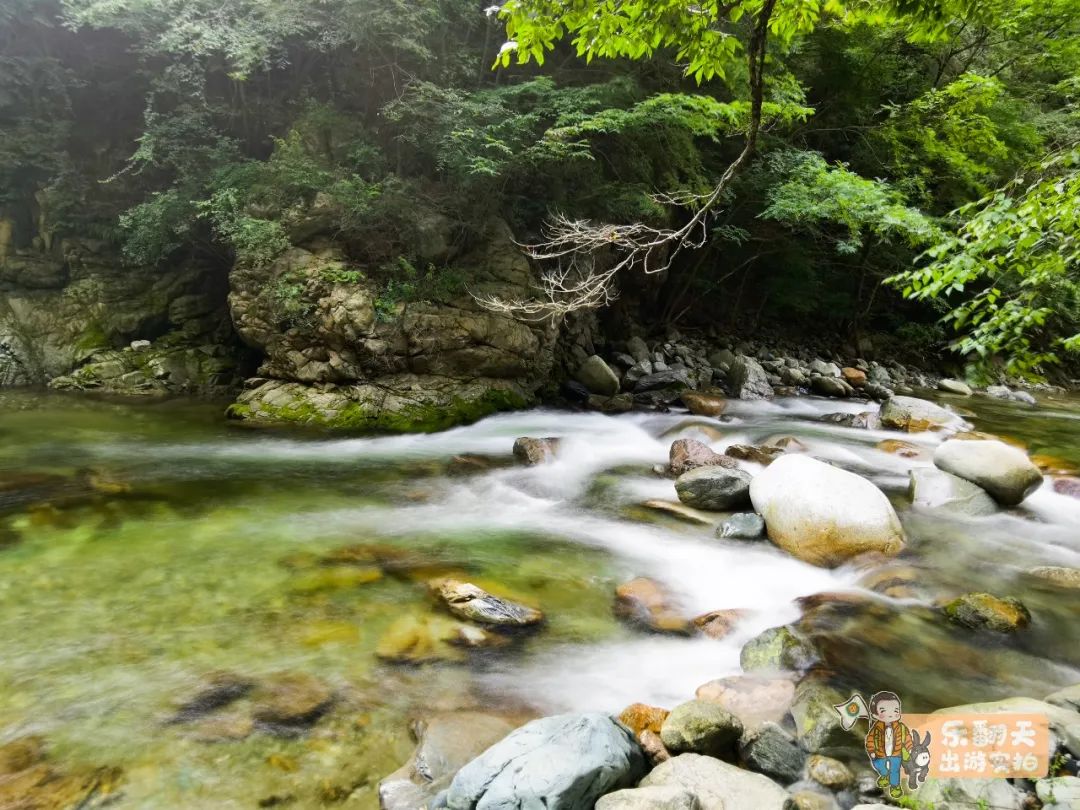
x=774 y=752
x=470 y=602
x=701 y=727
x=742 y=526
x=291 y=699
x=217 y=689
x=718 y=624
x=690 y=454
x=829 y=772
x=646 y=603
x=984 y=611
x=640 y=717
x=532 y=451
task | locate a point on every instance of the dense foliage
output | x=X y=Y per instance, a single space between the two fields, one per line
x=929 y=142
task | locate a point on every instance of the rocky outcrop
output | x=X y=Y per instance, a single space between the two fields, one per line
x=78 y=317
x=343 y=350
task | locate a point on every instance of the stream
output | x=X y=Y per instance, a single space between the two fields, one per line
x=147 y=544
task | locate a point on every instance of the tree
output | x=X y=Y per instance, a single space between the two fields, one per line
x=713 y=40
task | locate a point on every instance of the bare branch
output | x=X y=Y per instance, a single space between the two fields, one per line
x=569 y=248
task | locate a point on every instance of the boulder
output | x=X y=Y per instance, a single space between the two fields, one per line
x=772 y=751
x=983 y=611
x=913 y=415
x=742 y=526
x=822 y=514
x=718 y=785
x=778 y=648
x=689 y=454
x=701 y=727
x=470 y=602
x=713 y=488
x=533 y=451
x=1004 y=471
x=446 y=743
x=657 y=797
x=753 y=699
x=648 y=604
x=564 y=762
x=748 y=379
x=829 y=772
x=954 y=387
x=702 y=404
x=597 y=376
x=931 y=488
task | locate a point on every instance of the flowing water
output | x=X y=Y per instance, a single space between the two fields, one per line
x=144 y=545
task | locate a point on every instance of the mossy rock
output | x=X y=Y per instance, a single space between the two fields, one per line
x=984 y=611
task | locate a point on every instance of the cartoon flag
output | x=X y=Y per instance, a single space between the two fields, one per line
x=851 y=710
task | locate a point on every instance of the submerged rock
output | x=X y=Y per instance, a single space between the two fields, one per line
x=1057 y=575
x=689 y=454
x=565 y=762
x=718 y=624
x=931 y=488
x=718 y=785
x=291 y=698
x=422 y=639
x=742 y=526
x=446 y=743
x=680 y=511
x=217 y=689
x=983 y=611
x=475 y=604
x=533 y=451
x=648 y=604
x=701 y=727
x=913 y=415
x=822 y=514
x=1067 y=485
x=713 y=488
x=1004 y=471
x=763 y=455
x=778 y=648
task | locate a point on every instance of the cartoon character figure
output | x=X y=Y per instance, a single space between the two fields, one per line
x=888 y=743
x=918 y=764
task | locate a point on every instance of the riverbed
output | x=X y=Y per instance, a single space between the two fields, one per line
x=147 y=544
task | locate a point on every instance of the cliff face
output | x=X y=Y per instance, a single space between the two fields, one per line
x=70 y=312
x=341 y=351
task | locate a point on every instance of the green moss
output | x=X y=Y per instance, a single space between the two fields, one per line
x=362 y=417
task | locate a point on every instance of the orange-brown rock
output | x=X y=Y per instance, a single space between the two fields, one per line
x=702 y=404
x=646 y=603
x=854 y=377
x=901 y=448
x=718 y=623
x=689 y=454
x=640 y=717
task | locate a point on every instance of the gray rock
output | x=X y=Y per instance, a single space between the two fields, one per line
x=718 y=785
x=1067 y=698
x=637 y=349
x=1060 y=791
x=447 y=742
x=778 y=648
x=795 y=376
x=1002 y=392
x=829 y=772
x=817 y=724
x=822 y=514
x=877 y=392
x=597 y=376
x=657 y=797
x=1004 y=471
x=954 y=387
x=714 y=488
x=663 y=379
x=534 y=451
x=772 y=751
x=565 y=762
x=912 y=414
x=701 y=727
x=748 y=379
x=965 y=794
x=642 y=368
x=140 y=345
x=825 y=369
x=723 y=357
x=468 y=601
x=742 y=526
x=931 y=488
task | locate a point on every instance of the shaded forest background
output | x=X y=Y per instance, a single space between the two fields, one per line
x=180 y=129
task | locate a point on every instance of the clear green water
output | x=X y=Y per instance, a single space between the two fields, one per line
x=198 y=552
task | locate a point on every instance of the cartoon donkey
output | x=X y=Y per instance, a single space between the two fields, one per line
x=918 y=763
